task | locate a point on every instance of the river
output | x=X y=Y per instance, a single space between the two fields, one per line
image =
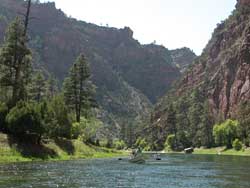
x=173 y=171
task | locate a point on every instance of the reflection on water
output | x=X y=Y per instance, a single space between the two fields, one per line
x=173 y=171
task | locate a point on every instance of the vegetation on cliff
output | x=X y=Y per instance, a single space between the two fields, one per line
x=183 y=58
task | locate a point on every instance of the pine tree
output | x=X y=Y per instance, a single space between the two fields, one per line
x=15 y=62
x=182 y=122
x=207 y=127
x=51 y=87
x=243 y=115
x=78 y=89
x=38 y=87
x=130 y=135
x=171 y=121
x=195 y=111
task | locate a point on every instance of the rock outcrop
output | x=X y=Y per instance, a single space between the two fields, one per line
x=183 y=57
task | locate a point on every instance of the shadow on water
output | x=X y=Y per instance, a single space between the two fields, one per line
x=66 y=145
x=31 y=150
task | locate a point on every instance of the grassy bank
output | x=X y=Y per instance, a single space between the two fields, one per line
x=222 y=151
x=53 y=150
x=215 y=151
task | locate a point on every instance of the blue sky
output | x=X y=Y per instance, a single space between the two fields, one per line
x=172 y=23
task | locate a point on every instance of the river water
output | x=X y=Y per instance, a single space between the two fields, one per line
x=173 y=171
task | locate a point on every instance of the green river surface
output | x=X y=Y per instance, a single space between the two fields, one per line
x=173 y=171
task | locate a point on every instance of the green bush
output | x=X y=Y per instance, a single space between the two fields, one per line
x=119 y=144
x=226 y=133
x=60 y=118
x=25 y=119
x=170 y=142
x=88 y=128
x=48 y=119
x=109 y=143
x=183 y=139
x=237 y=145
x=247 y=142
x=76 y=130
x=142 y=143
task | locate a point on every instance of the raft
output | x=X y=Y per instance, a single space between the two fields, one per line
x=137 y=159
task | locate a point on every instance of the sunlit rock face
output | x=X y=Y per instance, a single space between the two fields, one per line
x=222 y=72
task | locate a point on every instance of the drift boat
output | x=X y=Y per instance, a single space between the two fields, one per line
x=139 y=159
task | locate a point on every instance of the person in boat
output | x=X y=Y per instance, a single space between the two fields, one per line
x=136 y=152
x=137 y=157
x=157 y=157
x=133 y=152
x=139 y=150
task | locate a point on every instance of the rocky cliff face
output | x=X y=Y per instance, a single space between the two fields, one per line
x=183 y=57
x=224 y=65
x=129 y=76
x=222 y=72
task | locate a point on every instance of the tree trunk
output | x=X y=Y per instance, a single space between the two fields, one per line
x=26 y=22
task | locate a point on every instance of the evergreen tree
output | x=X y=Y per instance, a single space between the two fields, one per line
x=123 y=132
x=207 y=127
x=195 y=112
x=130 y=135
x=15 y=62
x=171 y=123
x=51 y=87
x=243 y=115
x=38 y=87
x=182 y=122
x=60 y=122
x=78 y=89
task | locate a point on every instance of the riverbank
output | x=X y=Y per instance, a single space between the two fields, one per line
x=222 y=151
x=51 y=150
x=212 y=151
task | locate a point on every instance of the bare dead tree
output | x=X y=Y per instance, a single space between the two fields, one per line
x=27 y=15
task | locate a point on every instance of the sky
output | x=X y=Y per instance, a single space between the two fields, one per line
x=172 y=23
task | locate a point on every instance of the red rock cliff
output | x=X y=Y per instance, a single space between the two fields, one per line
x=223 y=69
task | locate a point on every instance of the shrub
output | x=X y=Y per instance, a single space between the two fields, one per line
x=25 y=120
x=109 y=143
x=119 y=144
x=219 y=135
x=247 y=142
x=48 y=119
x=170 y=142
x=88 y=129
x=76 y=130
x=142 y=143
x=237 y=145
x=183 y=140
x=62 y=122
x=226 y=133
